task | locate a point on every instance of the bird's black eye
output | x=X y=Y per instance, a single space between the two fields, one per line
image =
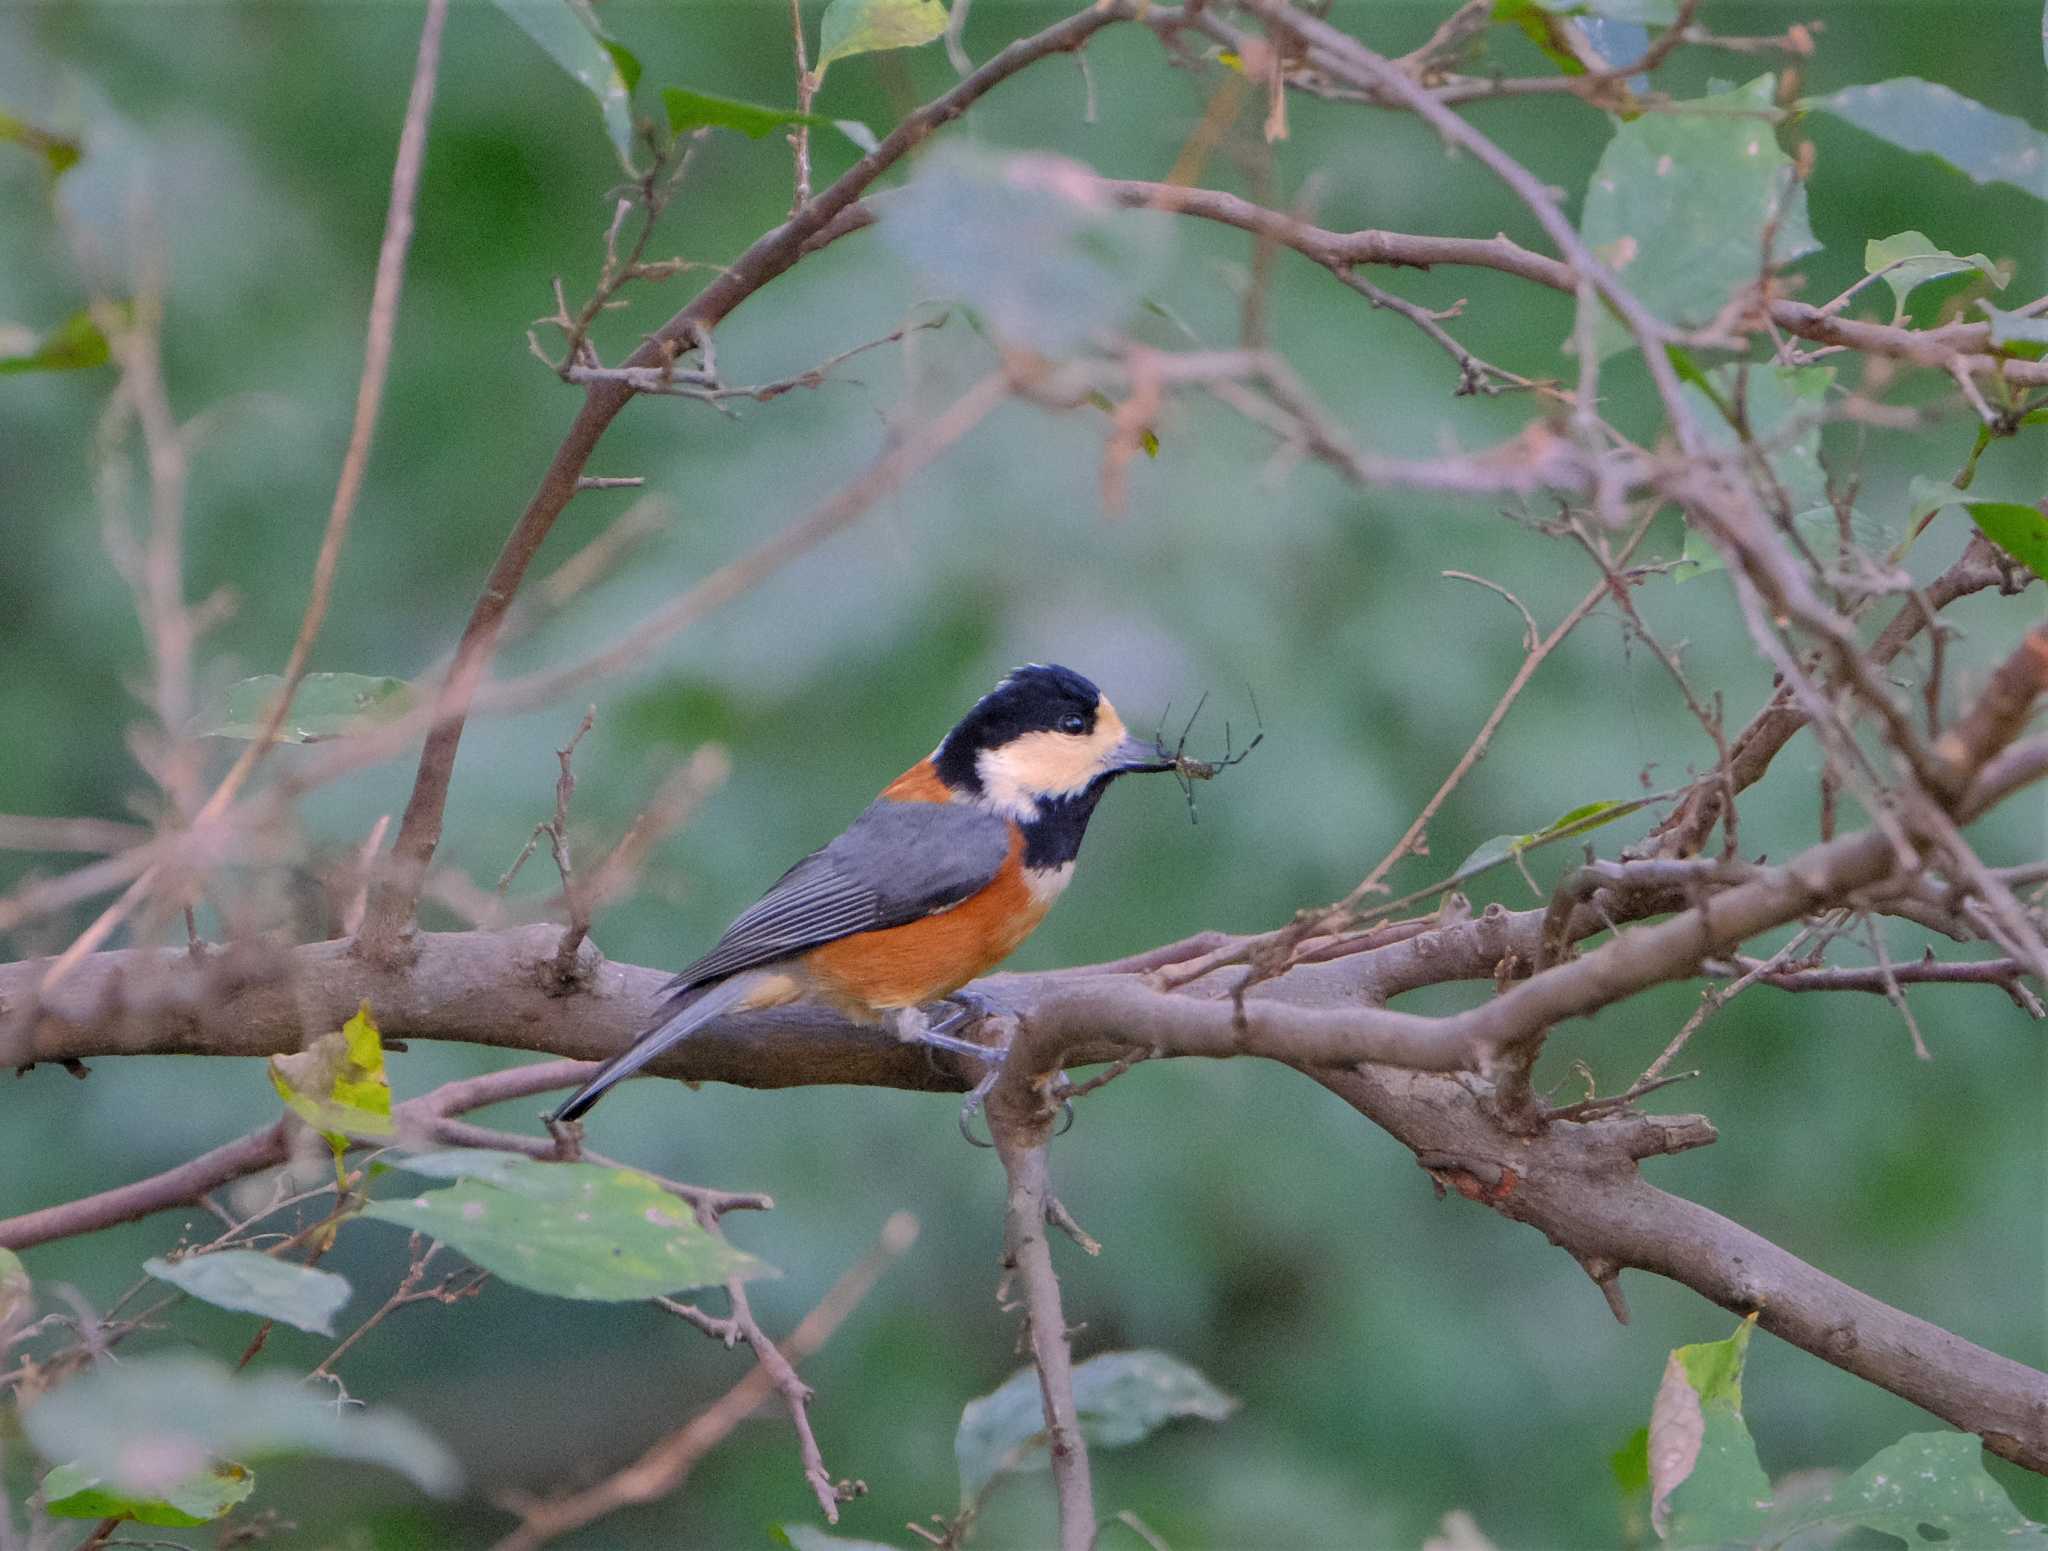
x=1073 y=723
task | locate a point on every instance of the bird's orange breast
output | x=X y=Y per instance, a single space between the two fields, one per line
x=906 y=966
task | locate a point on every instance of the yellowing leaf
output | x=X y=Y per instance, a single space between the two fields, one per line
x=869 y=26
x=337 y=1084
x=59 y=152
x=17 y=1293
x=73 y=345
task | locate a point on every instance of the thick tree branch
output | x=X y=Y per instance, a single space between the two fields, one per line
x=1579 y=1185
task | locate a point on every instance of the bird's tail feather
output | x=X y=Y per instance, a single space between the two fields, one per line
x=665 y=1035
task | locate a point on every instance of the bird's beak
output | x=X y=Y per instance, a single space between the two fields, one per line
x=1136 y=756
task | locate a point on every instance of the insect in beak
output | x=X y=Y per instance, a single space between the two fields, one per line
x=1136 y=756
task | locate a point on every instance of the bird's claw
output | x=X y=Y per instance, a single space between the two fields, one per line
x=968 y=1007
x=978 y=1095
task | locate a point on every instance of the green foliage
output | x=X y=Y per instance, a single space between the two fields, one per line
x=572 y=1230
x=807 y=1537
x=698 y=110
x=1028 y=244
x=689 y=111
x=327 y=705
x=1706 y=1485
x=1545 y=23
x=1778 y=411
x=2009 y=329
x=72 y=1493
x=1925 y=116
x=2021 y=531
x=1631 y=1462
x=1679 y=204
x=851 y=27
x=59 y=153
x=569 y=32
x=1710 y=1492
x=148 y=1426
x=1120 y=1397
x=1574 y=821
x=1909 y=260
x=254 y=1283
x=1925 y=1481
x=1652 y=13
x=72 y=345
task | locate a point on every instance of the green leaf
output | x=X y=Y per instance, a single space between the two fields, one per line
x=1576 y=821
x=1927 y=117
x=72 y=345
x=1545 y=27
x=253 y=1283
x=1780 y=406
x=1714 y=1368
x=328 y=705
x=698 y=110
x=59 y=153
x=1649 y=13
x=573 y=1230
x=1706 y=1484
x=1029 y=243
x=72 y=1493
x=2009 y=328
x=337 y=1084
x=1680 y=200
x=808 y=1537
x=1631 y=1462
x=1915 y=261
x=570 y=34
x=867 y=26
x=1925 y=1481
x=1121 y=1398
x=2020 y=530
x=147 y=1425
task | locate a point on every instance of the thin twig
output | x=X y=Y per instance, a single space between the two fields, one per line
x=663 y=1469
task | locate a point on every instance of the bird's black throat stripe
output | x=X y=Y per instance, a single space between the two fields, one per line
x=1053 y=838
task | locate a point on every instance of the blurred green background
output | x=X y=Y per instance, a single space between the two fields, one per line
x=1397 y=1356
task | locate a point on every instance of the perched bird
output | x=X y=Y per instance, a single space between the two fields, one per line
x=935 y=884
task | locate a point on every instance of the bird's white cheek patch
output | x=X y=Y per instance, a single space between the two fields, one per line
x=1047 y=883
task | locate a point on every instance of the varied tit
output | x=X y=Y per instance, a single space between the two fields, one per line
x=934 y=885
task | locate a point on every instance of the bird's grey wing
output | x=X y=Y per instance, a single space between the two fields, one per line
x=896 y=863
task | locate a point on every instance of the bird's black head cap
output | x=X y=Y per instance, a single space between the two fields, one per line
x=1038 y=697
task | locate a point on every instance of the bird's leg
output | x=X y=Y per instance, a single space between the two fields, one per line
x=968 y=1007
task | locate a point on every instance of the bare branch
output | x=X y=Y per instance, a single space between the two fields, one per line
x=391 y=905
x=665 y=1467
